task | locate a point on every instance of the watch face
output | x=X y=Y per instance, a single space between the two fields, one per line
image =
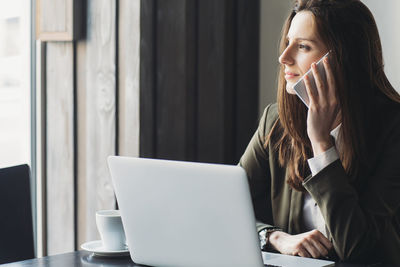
x=263 y=238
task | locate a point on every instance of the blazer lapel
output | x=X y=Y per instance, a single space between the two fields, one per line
x=295 y=211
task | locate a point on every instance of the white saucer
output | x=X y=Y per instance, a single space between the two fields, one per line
x=97 y=248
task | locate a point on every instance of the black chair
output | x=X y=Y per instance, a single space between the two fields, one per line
x=16 y=230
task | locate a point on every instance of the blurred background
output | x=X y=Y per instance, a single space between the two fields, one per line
x=174 y=79
x=15 y=133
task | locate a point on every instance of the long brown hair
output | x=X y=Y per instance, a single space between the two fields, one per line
x=349 y=31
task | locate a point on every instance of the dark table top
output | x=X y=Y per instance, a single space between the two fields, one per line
x=86 y=259
x=77 y=258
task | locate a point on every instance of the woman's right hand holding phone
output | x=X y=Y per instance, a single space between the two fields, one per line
x=324 y=112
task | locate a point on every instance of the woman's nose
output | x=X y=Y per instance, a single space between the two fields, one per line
x=285 y=58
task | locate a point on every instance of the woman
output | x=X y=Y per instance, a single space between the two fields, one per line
x=325 y=181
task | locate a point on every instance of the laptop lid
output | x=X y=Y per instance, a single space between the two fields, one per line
x=185 y=214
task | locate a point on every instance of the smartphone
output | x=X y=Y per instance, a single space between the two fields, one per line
x=300 y=87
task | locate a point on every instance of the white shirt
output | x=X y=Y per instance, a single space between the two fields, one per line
x=312 y=217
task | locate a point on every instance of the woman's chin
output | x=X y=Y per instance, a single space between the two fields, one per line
x=289 y=89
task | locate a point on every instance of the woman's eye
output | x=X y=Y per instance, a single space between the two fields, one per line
x=304 y=47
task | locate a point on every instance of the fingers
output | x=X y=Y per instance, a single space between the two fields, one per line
x=311 y=248
x=303 y=253
x=325 y=88
x=330 y=80
x=310 y=244
x=320 y=247
x=319 y=82
x=331 y=90
x=315 y=245
x=324 y=241
x=320 y=242
x=311 y=94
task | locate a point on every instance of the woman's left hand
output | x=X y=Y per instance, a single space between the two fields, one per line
x=323 y=114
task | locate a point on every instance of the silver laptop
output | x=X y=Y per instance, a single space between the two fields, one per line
x=187 y=214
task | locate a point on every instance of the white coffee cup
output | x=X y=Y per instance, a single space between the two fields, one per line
x=109 y=225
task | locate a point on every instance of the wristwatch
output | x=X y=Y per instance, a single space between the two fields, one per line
x=264 y=236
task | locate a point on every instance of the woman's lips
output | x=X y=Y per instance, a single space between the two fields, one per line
x=289 y=75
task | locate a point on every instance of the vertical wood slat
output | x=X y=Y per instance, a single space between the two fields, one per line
x=81 y=183
x=60 y=148
x=41 y=249
x=128 y=77
x=247 y=73
x=168 y=104
x=55 y=15
x=213 y=94
x=229 y=93
x=81 y=142
x=173 y=87
x=100 y=136
x=170 y=122
x=191 y=59
x=148 y=108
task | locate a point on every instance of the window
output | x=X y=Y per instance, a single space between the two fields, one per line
x=15 y=82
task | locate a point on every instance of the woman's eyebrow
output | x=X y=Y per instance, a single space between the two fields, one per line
x=302 y=39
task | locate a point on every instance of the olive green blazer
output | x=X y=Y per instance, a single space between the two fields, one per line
x=362 y=218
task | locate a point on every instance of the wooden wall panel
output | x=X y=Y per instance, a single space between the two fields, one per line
x=168 y=106
x=148 y=44
x=81 y=142
x=191 y=80
x=128 y=77
x=55 y=15
x=174 y=112
x=199 y=79
x=41 y=234
x=60 y=148
x=60 y=20
x=246 y=75
x=215 y=89
x=100 y=109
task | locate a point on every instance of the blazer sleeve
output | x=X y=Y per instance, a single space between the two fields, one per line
x=256 y=164
x=357 y=219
